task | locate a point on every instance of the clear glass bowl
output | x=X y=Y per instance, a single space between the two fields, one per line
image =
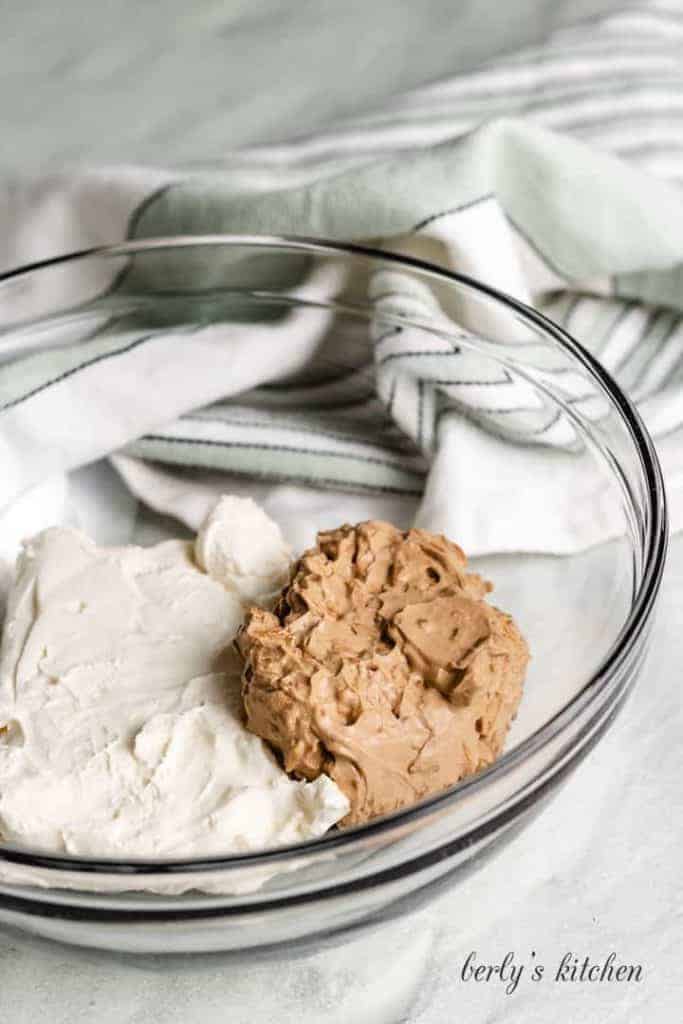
x=587 y=615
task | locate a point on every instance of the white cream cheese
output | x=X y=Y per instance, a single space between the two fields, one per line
x=120 y=720
x=242 y=548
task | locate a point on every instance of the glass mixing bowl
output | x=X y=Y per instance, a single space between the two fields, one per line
x=586 y=612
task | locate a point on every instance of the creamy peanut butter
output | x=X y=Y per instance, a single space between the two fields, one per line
x=383 y=667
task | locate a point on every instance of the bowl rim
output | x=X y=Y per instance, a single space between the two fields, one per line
x=655 y=542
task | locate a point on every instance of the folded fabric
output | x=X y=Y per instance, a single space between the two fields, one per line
x=592 y=238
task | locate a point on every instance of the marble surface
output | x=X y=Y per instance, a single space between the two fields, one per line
x=184 y=83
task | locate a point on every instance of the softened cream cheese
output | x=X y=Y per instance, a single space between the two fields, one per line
x=121 y=731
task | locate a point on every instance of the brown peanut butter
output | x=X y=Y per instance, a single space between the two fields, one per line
x=383 y=666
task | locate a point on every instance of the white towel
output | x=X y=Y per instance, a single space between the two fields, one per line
x=552 y=174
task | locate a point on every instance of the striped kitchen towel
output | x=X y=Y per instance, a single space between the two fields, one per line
x=554 y=174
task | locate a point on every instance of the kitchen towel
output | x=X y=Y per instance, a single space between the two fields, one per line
x=553 y=174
